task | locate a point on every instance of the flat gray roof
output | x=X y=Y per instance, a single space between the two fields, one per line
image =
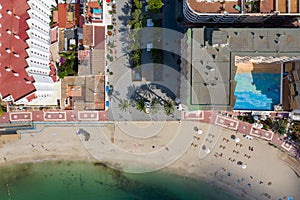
x=212 y=58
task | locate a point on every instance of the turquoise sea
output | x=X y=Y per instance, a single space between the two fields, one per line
x=60 y=180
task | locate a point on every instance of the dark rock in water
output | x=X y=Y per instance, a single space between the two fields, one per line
x=100 y=164
x=85 y=133
x=81 y=181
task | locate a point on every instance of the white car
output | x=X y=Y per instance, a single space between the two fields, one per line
x=147 y=107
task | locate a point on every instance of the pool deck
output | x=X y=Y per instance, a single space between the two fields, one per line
x=258 y=68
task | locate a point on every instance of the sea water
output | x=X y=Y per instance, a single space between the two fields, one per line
x=60 y=180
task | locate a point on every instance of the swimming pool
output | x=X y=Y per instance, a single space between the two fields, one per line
x=257 y=91
x=97 y=11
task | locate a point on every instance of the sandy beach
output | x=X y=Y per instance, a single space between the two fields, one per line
x=175 y=146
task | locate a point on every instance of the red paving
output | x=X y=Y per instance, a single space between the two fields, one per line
x=55 y=116
x=194 y=115
x=87 y=116
x=20 y=116
x=260 y=133
x=37 y=116
x=227 y=122
x=242 y=127
x=62 y=116
x=4 y=118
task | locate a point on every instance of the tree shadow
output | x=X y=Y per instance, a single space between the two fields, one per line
x=114 y=95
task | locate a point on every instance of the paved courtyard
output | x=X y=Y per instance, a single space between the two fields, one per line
x=166 y=77
x=124 y=88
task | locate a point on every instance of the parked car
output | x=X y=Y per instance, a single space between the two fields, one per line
x=147 y=107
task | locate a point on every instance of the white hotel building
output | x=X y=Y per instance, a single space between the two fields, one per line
x=26 y=74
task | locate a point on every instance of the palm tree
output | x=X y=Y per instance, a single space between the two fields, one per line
x=169 y=107
x=136 y=58
x=124 y=105
x=147 y=92
x=136 y=15
x=140 y=105
x=155 y=5
x=155 y=105
x=138 y=4
x=279 y=126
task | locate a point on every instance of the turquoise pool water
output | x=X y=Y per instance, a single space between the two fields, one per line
x=257 y=91
x=97 y=11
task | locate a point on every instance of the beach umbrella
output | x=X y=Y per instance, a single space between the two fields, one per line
x=237 y=140
x=255 y=117
x=199 y=131
x=270 y=183
x=232 y=137
x=207 y=150
x=177 y=100
x=244 y=166
x=264 y=117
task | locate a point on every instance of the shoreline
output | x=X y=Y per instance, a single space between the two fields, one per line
x=208 y=180
x=67 y=146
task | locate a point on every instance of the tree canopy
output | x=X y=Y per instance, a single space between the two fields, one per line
x=155 y=4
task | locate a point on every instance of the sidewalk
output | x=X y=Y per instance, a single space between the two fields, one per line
x=53 y=116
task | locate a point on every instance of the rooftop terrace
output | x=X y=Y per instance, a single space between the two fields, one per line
x=215 y=53
x=245 y=6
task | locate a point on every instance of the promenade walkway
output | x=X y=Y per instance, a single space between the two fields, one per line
x=214 y=117
x=54 y=116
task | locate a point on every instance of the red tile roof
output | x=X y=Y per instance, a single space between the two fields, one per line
x=91 y=6
x=55 y=16
x=63 y=15
x=267 y=6
x=30 y=97
x=53 y=74
x=213 y=7
x=88 y=35
x=14 y=79
x=54 y=35
x=99 y=37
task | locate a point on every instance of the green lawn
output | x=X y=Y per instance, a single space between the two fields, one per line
x=192 y=107
x=189 y=35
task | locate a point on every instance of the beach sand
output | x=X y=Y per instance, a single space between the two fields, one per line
x=172 y=146
x=258 y=68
